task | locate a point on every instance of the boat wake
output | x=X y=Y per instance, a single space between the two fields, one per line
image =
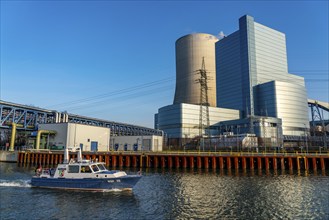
x=16 y=183
x=113 y=190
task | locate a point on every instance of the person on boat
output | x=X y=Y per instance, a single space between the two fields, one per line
x=38 y=170
x=88 y=169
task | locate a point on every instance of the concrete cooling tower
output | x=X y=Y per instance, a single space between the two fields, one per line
x=190 y=50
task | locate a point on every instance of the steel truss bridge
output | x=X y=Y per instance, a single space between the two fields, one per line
x=317 y=115
x=28 y=117
x=317 y=108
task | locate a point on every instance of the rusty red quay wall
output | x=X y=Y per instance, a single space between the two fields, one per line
x=235 y=161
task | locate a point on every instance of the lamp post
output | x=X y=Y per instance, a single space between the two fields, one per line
x=112 y=148
x=185 y=141
x=137 y=142
x=237 y=137
x=306 y=144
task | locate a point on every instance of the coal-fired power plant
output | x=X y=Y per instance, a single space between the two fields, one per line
x=191 y=50
x=237 y=87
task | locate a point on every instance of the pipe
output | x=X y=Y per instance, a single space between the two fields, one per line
x=13 y=135
x=57 y=120
x=66 y=155
x=39 y=135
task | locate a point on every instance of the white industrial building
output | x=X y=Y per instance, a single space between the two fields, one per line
x=137 y=143
x=89 y=138
x=94 y=138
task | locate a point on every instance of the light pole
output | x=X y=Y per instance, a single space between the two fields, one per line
x=237 y=137
x=137 y=142
x=142 y=143
x=113 y=143
x=277 y=138
x=264 y=134
x=306 y=144
x=185 y=141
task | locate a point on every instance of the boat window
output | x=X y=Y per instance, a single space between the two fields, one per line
x=95 y=168
x=101 y=166
x=85 y=169
x=73 y=169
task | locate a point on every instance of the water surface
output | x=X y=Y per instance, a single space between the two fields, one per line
x=173 y=194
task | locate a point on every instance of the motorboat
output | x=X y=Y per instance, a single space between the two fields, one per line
x=82 y=174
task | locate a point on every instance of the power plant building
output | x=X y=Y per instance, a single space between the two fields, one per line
x=88 y=138
x=285 y=100
x=191 y=50
x=254 y=92
x=183 y=117
x=252 y=76
x=182 y=120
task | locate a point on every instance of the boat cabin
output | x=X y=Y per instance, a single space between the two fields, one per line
x=80 y=168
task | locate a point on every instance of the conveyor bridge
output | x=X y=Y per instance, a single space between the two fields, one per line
x=28 y=118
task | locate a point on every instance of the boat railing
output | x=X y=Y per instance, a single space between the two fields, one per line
x=72 y=161
x=46 y=172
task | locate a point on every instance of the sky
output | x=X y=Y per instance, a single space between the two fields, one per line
x=115 y=60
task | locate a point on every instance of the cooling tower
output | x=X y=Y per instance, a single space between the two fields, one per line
x=190 y=50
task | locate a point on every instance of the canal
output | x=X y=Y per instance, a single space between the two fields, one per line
x=174 y=194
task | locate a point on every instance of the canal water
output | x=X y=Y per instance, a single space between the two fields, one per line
x=173 y=194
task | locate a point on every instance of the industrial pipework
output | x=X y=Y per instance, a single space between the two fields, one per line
x=13 y=135
x=39 y=135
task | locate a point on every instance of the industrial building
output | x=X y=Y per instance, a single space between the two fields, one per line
x=235 y=90
x=252 y=76
x=191 y=50
x=268 y=131
x=88 y=138
x=23 y=127
x=137 y=143
x=182 y=120
x=255 y=94
x=57 y=136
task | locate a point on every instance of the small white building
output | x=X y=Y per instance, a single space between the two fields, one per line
x=89 y=138
x=137 y=143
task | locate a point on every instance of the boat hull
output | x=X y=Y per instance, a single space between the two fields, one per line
x=91 y=184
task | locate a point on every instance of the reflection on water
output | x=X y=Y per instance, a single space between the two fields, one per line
x=175 y=194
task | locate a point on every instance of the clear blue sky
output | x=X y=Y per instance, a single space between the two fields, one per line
x=115 y=60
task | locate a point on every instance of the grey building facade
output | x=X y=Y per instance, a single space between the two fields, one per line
x=285 y=100
x=182 y=120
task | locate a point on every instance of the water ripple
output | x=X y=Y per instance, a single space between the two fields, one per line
x=174 y=194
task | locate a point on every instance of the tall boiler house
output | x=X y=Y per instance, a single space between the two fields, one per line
x=190 y=50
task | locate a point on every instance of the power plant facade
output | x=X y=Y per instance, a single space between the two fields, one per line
x=285 y=100
x=182 y=120
x=252 y=76
x=248 y=76
x=191 y=51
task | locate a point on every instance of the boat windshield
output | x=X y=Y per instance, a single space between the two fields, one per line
x=95 y=168
x=101 y=166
